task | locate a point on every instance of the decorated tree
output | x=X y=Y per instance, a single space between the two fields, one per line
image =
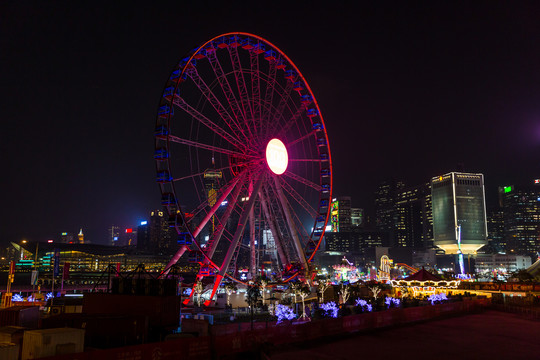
x=375 y=289
x=198 y=288
x=284 y=313
x=324 y=284
x=345 y=292
x=262 y=283
x=230 y=287
x=303 y=292
x=294 y=287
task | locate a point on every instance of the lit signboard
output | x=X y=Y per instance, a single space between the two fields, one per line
x=64 y=234
x=144 y=222
x=537 y=181
x=507 y=189
x=129 y=231
x=334 y=216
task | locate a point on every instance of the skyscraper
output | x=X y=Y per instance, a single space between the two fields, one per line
x=357 y=218
x=113 y=235
x=340 y=214
x=521 y=208
x=385 y=208
x=495 y=225
x=459 y=212
x=414 y=226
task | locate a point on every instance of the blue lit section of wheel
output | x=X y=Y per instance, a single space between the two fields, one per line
x=243 y=160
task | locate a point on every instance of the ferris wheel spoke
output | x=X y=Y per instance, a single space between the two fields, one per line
x=216 y=236
x=216 y=104
x=225 y=192
x=286 y=94
x=300 y=139
x=269 y=94
x=302 y=180
x=304 y=160
x=299 y=199
x=229 y=167
x=199 y=145
x=292 y=120
x=182 y=104
x=255 y=88
x=241 y=226
x=290 y=222
x=226 y=87
x=241 y=84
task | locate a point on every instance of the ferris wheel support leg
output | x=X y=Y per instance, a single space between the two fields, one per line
x=216 y=237
x=216 y=206
x=173 y=260
x=252 y=249
x=241 y=226
x=214 y=289
x=273 y=229
x=288 y=217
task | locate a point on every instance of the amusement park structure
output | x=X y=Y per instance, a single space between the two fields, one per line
x=238 y=108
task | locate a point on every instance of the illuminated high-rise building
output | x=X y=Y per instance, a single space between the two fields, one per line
x=414 y=224
x=340 y=214
x=385 y=207
x=495 y=225
x=67 y=238
x=459 y=212
x=81 y=237
x=357 y=218
x=521 y=208
x=113 y=235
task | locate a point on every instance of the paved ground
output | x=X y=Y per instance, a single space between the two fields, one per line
x=488 y=335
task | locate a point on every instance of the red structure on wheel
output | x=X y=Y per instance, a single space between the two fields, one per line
x=241 y=145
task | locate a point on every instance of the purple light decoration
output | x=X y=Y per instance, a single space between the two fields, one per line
x=284 y=313
x=437 y=297
x=364 y=305
x=330 y=309
x=390 y=300
x=17 y=297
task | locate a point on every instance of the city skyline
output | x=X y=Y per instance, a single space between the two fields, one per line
x=406 y=92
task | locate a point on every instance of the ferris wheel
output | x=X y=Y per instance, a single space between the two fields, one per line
x=243 y=161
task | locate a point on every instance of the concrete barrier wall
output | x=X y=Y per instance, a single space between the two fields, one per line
x=234 y=338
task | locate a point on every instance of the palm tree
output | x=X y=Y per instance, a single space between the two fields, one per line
x=253 y=294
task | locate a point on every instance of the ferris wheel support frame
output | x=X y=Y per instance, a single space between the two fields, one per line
x=243 y=121
x=234 y=242
x=273 y=228
x=292 y=229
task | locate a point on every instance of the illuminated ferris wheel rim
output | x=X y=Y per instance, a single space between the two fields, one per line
x=187 y=62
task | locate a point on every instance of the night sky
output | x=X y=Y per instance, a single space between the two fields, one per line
x=406 y=90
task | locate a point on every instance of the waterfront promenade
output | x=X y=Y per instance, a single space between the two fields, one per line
x=486 y=335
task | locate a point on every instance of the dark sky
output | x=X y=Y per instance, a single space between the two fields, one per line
x=407 y=90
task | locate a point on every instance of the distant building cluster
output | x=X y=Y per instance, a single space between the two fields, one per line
x=446 y=216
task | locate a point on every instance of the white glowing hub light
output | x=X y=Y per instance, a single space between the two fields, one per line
x=276 y=156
